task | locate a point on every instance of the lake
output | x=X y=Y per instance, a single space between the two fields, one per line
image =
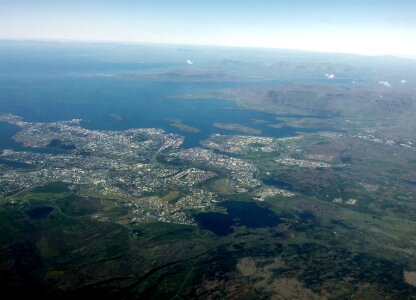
x=39 y=212
x=239 y=213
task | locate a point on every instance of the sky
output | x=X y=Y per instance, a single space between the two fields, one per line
x=371 y=27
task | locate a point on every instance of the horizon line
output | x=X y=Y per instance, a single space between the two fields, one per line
x=241 y=47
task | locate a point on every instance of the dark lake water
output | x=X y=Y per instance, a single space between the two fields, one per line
x=218 y=223
x=16 y=164
x=278 y=183
x=248 y=214
x=412 y=182
x=39 y=212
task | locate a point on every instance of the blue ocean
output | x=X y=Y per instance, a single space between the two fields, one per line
x=45 y=82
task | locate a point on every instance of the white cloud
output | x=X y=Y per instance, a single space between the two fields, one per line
x=189 y=62
x=403 y=81
x=385 y=83
x=329 y=76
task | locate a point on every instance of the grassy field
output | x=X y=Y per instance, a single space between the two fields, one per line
x=81 y=247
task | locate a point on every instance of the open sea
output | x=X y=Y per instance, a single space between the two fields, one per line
x=47 y=82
